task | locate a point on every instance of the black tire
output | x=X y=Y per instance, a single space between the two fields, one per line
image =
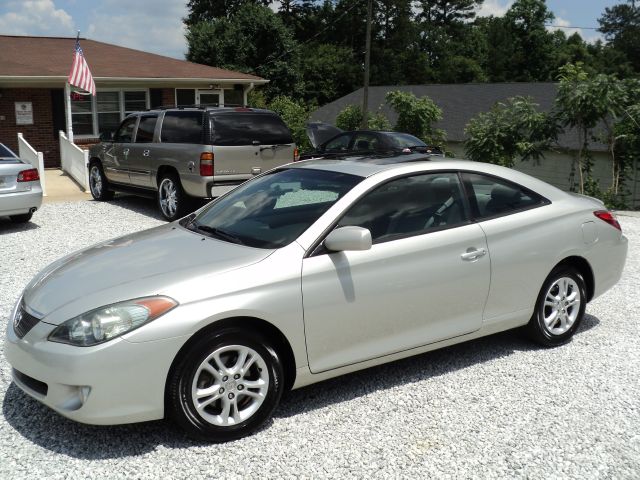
x=98 y=183
x=181 y=406
x=552 y=334
x=173 y=202
x=22 y=218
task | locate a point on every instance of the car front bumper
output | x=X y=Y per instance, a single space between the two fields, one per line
x=19 y=203
x=111 y=383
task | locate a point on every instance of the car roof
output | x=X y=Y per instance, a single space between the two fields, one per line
x=368 y=166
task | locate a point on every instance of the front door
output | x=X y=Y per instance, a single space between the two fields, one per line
x=116 y=158
x=214 y=98
x=421 y=281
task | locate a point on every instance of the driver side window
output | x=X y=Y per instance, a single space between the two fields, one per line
x=410 y=206
x=125 y=132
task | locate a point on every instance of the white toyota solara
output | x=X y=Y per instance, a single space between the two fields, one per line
x=307 y=272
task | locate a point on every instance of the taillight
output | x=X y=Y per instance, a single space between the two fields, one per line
x=296 y=154
x=607 y=216
x=206 y=164
x=30 y=175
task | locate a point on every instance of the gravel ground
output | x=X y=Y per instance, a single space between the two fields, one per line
x=497 y=407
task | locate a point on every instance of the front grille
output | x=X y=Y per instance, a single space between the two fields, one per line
x=23 y=322
x=35 y=385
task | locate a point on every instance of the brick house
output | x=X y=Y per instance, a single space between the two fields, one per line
x=34 y=70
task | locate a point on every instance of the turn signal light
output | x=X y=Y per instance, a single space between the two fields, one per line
x=206 y=164
x=30 y=175
x=607 y=216
x=296 y=154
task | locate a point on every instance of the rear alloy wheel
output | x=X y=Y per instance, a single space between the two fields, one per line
x=559 y=308
x=98 y=184
x=171 y=198
x=225 y=387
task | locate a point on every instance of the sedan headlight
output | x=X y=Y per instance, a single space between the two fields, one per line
x=106 y=323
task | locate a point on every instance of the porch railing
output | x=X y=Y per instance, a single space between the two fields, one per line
x=28 y=153
x=75 y=161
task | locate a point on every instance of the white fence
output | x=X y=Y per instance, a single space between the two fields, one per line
x=74 y=161
x=28 y=153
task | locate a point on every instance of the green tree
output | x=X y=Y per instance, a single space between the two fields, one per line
x=584 y=102
x=620 y=26
x=511 y=130
x=252 y=40
x=417 y=116
x=207 y=10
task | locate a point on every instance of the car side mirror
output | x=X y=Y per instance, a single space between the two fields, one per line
x=107 y=136
x=348 y=238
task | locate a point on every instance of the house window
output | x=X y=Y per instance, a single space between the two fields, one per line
x=108 y=106
x=90 y=116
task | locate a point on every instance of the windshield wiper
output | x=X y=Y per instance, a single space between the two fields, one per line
x=216 y=232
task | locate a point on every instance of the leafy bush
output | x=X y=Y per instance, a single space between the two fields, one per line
x=350 y=118
x=510 y=130
x=417 y=116
x=295 y=115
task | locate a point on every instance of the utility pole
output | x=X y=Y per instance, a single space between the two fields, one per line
x=367 y=58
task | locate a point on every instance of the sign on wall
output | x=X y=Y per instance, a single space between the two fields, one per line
x=24 y=113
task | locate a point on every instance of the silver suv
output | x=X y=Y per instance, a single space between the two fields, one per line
x=180 y=154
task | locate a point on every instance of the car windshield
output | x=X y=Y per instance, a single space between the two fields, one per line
x=274 y=209
x=404 y=140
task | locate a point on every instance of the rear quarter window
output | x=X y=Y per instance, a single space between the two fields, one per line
x=182 y=127
x=235 y=129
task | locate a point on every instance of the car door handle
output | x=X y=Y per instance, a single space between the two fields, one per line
x=145 y=153
x=473 y=254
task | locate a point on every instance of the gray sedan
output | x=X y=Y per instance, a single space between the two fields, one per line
x=307 y=272
x=20 y=190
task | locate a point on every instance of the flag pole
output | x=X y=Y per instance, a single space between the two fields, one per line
x=67 y=96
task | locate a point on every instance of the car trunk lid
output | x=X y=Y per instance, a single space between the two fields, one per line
x=319 y=132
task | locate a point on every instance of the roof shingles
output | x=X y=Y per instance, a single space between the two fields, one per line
x=22 y=56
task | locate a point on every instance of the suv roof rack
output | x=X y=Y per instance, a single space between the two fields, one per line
x=209 y=106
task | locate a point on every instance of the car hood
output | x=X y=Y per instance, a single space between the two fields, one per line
x=133 y=266
x=319 y=132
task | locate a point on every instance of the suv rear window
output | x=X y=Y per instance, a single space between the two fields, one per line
x=182 y=127
x=232 y=129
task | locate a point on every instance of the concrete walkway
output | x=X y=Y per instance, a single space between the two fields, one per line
x=62 y=188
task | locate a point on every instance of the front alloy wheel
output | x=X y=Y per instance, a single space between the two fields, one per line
x=225 y=386
x=559 y=308
x=98 y=183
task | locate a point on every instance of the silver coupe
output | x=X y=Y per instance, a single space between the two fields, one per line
x=307 y=272
x=20 y=189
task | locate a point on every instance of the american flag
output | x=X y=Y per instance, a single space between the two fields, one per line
x=80 y=75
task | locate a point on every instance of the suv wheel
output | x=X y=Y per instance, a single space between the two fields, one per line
x=171 y=197
x=98 y=184
x=226 y=386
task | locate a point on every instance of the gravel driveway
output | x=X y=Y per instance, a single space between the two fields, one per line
x=494 y=407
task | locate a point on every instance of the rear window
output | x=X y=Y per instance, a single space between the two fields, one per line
x=182 y=127
x=404 y=140
x=231 y=129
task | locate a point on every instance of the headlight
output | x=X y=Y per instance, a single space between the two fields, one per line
x=105 y=323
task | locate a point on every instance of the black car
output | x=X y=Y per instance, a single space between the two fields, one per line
x=330 y=141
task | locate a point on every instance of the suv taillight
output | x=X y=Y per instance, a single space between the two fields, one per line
x=30 y=175
x=206 y=164
x=296 y=154
x=607 y=216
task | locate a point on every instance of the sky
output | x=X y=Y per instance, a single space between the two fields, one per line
x=156 y=25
